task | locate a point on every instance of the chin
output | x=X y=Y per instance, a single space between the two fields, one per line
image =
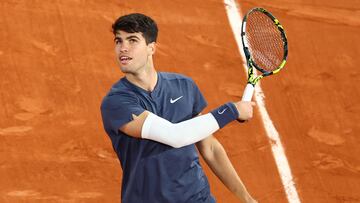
x=126 y=69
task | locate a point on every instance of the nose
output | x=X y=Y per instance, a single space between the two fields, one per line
x=124 y=47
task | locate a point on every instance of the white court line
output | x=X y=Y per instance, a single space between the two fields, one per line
x=282 y=164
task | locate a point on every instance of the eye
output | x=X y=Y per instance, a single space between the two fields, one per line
x=117 y=41
x=132 y=40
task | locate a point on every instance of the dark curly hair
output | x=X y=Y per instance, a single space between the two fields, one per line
x=137 y=22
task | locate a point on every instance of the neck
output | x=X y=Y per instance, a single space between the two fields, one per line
x=145 y=79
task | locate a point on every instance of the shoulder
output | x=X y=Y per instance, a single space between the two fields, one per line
x=175 y=77
x=117 y=95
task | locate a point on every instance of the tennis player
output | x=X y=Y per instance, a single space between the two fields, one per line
x=153 y=120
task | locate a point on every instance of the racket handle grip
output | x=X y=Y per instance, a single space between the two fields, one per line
x=248 y=92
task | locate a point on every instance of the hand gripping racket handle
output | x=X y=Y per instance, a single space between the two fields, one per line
x=248 y=92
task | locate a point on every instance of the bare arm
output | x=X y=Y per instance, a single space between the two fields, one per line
x=216 y=158
x=133 y=128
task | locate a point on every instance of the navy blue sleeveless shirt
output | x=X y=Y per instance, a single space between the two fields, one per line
x=154 y=172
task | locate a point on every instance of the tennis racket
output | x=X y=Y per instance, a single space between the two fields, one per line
x=265 y=47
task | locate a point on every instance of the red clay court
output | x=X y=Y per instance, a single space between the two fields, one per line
x=57 y=62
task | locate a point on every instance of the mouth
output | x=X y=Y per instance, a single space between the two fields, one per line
x=125 y=59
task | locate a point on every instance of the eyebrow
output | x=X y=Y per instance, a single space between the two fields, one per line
x=129 y=37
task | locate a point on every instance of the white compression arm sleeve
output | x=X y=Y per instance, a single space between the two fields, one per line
x=178 y=134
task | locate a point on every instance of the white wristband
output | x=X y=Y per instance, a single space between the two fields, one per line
x=179 y=134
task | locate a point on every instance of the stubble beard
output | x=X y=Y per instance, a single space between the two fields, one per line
x=130 y=70
x=133 y=70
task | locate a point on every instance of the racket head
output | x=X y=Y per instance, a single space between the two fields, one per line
x=264 y=42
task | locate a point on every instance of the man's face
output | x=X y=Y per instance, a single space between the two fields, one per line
x=132 y=52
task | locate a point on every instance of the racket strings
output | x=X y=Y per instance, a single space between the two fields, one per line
x=264 y=40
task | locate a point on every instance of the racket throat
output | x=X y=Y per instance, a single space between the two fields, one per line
x=253 y=78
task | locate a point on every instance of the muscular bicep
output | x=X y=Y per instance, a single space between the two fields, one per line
x=134 y=127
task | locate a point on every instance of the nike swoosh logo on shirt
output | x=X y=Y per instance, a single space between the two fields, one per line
x=221 y=112
x=175 y=100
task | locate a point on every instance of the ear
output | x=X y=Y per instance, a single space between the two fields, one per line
x=151 y=48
